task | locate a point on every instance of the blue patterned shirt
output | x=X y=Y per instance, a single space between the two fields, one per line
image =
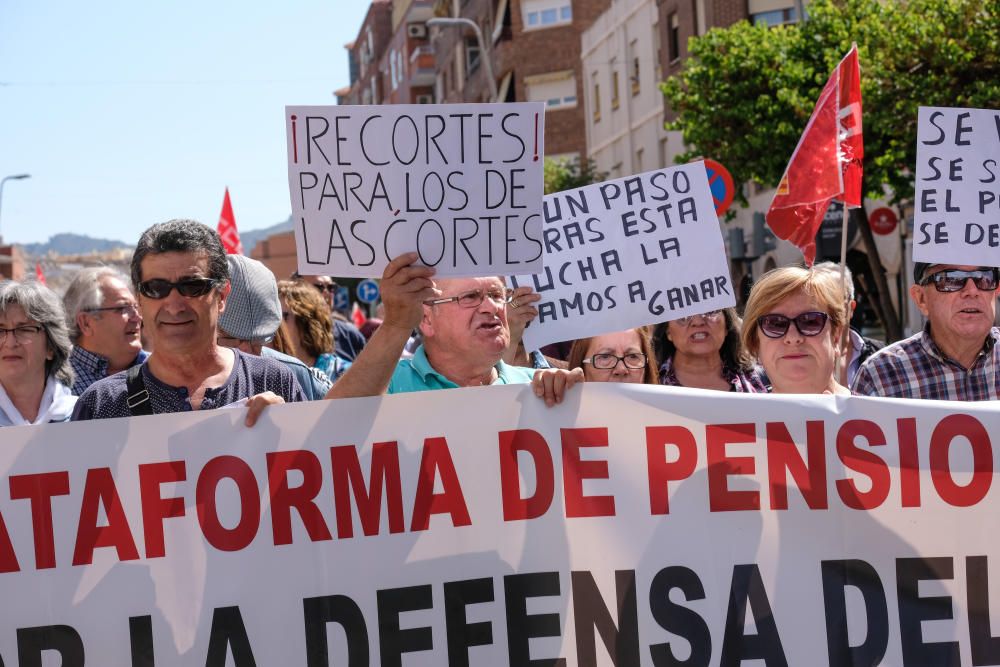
x=917 y=368
x=88 y=367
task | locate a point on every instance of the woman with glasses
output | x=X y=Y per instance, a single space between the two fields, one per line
x=35 y=374
x=795 y=318
x=623 y=356
x=704 y=352
x=306 y=330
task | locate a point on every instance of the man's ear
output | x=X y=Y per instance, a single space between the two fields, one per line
x=919 y=297
x=85 y=324
x=223 y=295
x=427 y=322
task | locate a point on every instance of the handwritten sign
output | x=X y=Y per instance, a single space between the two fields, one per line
x=461 y=184
x=626 y=253
x=957 y=217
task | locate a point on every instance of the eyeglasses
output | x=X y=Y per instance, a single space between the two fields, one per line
x=711 y=317
x=127 y=310
x=953 y=280
x=810 y=323
x=606 y=362
x=157 y=288
x=23 y=334
x=326 y=287
x=473 y=298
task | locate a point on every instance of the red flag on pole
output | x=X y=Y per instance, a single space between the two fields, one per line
x=227 y=228
x=358 y=316
x=826 y=165
x=39 y=274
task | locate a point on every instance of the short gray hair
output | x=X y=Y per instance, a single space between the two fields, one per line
x=833 y=268
x=43 y=306
x=85 y=292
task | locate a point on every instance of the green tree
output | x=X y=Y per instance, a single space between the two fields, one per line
x=569 y=174
x=746 y=91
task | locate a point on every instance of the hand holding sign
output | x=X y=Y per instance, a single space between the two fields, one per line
x=460 y=184
x=957 y=217
x=405 y=287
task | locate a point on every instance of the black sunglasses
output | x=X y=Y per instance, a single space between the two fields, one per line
x=954 y=280
x=158 y=288
x=810 y=323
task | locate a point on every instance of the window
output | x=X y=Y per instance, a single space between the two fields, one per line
x=658 y=50
x=638 y=161
x=471 y=55
x=597 y=98
x=775 y=17
x=556 y=89
x=634 y=77
x=539 y=14
x=674 y=37
x=615 y=100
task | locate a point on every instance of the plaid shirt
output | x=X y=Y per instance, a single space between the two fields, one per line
x=88 y=367
x=753 y=381
x=916 y=368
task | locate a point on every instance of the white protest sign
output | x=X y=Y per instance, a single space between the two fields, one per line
x=957 y=214
x=628 y=252
x=476 y=526
x=461 y=184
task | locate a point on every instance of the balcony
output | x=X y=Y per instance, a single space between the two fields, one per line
x=422 y=71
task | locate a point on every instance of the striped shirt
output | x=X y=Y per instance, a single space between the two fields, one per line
x=917 y=368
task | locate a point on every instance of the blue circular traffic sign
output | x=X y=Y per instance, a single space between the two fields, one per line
x=721 y=184
x=367 y=291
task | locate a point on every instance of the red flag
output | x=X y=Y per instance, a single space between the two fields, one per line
x=358 y=316
x=39 y=275
x=826 y=165
x=227 y=228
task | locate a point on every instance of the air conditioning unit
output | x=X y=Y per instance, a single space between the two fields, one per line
x=417 y=30
x=425 y=99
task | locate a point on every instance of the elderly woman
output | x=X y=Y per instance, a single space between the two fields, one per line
x=308 y=329
x=35 y=375
x=795 y=318
x=623 y=356
x=704 y=352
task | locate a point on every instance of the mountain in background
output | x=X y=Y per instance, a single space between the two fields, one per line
x=71 y=244
x=79 y=244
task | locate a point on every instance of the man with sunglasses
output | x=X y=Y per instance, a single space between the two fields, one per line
x=104 y=322
x=465 y=331
x=956 y=356
x=347 y=338
x=181 y=274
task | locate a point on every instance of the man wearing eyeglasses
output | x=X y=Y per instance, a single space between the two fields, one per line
x=181 y=274
x=955 y=357
x=465 y=332
x=103 y=320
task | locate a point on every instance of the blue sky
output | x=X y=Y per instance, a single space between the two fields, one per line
x=130 y=113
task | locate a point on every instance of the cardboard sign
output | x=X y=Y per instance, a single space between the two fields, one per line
x=627 y=522
x=461 y=184
x=957 y=213
x=626 y=253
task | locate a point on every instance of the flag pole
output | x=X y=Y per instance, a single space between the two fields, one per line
x=845 y=335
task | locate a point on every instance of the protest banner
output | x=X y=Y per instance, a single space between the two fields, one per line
x=461 y=184
x=628 y=252
x=488 y=530
x=957 y=214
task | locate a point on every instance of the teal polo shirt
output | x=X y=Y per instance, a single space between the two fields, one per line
x=416 y=374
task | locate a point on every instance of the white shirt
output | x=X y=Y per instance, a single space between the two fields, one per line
x=56 y=405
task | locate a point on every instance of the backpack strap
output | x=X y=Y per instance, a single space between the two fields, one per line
x=138 y=398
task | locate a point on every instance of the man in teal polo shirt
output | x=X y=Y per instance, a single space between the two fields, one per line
x=465 y=331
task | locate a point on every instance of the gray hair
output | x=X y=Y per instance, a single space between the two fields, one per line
x=181 y=236
x=43 y=306
x=833 y=269
x=85 y=292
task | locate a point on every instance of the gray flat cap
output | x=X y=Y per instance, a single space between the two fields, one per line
x=253 y=309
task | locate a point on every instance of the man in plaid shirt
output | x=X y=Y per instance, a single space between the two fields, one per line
x=955 y=357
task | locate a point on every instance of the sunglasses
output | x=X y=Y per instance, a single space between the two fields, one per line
x=954 y=280
x=810 y=323
x=326 y=287
x=157 y=288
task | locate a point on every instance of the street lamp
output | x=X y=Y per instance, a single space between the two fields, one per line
x=15 y=177
x=484 y=51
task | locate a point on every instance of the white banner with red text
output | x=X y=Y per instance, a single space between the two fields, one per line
x=627 y=526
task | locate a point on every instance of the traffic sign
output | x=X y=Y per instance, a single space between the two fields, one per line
x=367 y=291
x=341 y=298
x=883 y=221
x=721 y=183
